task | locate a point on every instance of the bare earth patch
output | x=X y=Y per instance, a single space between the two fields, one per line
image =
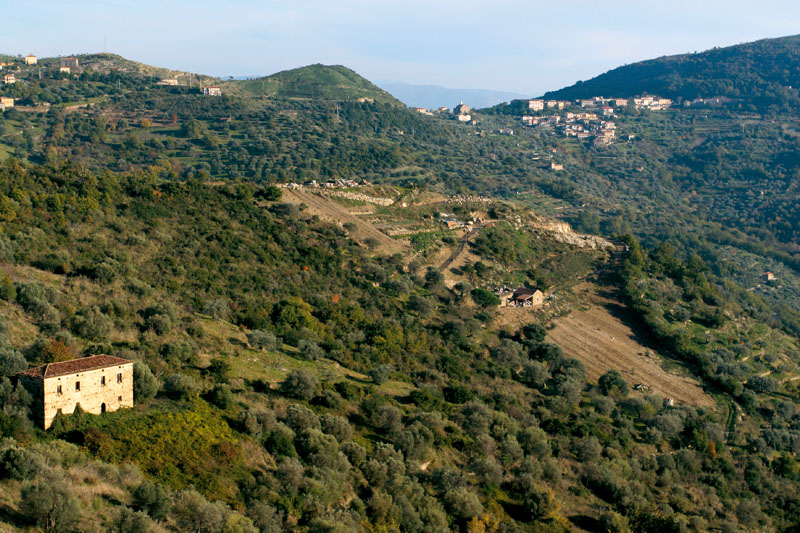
x=602 y=342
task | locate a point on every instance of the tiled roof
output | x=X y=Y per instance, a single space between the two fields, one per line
x=74 y=366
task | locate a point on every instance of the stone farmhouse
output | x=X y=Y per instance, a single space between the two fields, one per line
x=31 y=59
x=98 y=383
x=525 y=297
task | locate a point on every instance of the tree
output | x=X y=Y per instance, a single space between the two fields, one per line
x=151 y=498
x=611 y=383
x=130 y=521
x=484 y=298
x=433 y=278
x=380 y=374
x=11 y=361
x=145 y=384
x=262 y=340
x=300 y=384
x=49 y=504
x=265 y=517
x=179 y=386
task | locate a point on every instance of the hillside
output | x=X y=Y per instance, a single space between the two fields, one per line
x=309 y=287
x=318 y=82
x=763 y=72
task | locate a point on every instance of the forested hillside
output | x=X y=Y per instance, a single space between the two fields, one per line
x=762 y=73
x=291 y=375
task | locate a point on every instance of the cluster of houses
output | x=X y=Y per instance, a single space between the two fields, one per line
x=461 y=112
x=605 y=106
x=67 y=65
x=584 y=126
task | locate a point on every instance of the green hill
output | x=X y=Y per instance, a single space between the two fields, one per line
x=763 y=72
x=326 y=82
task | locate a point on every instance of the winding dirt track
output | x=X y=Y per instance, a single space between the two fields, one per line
x=602 y=342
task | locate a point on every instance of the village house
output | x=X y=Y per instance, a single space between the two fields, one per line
x=64 y=70
x=443 y=110
x=70 y=62
x=536 y=105
x=212 y=91
x=365 y=100
x=556 y=166
x=607 y=111
x=6 y=103
x=9 y=78
x=464 y=118
x=769 y=276
x=98 y=383
x=525 y=297
x=31 y=59
x=619 y=102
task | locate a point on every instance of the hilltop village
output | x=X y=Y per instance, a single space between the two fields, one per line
x=584 y=119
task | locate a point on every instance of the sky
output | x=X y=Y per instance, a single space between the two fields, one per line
x=527 y=47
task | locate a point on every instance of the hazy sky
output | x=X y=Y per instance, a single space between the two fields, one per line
x=523 y=46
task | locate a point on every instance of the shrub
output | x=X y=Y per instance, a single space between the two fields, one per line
x=463 y=503
x=160 y=324
x=20 y=463
x=151 y=498
x=11 y=361
x=130 y=521
x=145 y=384
x=611 y=383
x=337 y=426
x=265 y=517
x=179 y=386
x=262 y=340
x=300 y=417
x=310 y=350
x=380 y=374
x=49 y=504
x=300 y=384
x=484 y=298
x=222 y=397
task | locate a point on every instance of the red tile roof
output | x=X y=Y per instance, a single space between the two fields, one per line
x=74 y=366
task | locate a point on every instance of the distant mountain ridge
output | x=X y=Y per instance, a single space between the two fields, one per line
x=764 y=72
x=332 y=82
x=434 y=96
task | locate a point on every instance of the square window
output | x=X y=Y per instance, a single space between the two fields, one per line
x=119 y=377
x=103 y=381
x=77 y=385
x=58 y=390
